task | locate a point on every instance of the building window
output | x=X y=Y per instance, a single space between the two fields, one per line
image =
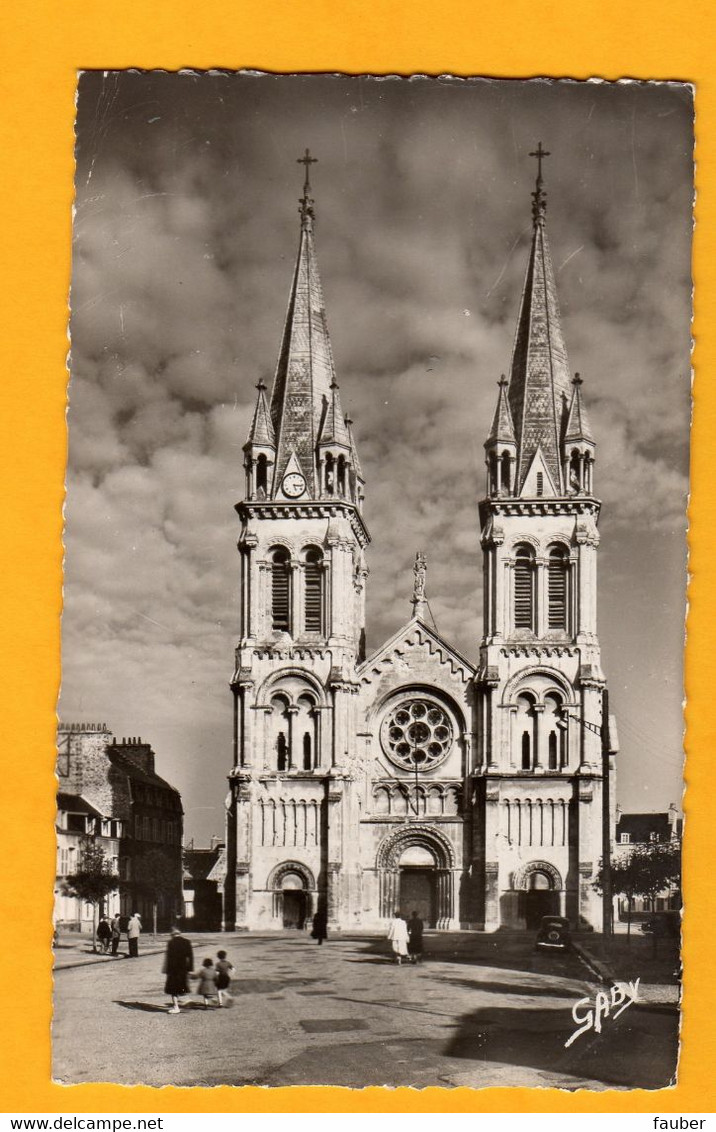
x=624 y=839
x=261 y=476
x=557 y=567
x=281 y=591
x=653 y=836
x=77 y=823
x=313 y=591
x=506 y=472
x=540 y=483
x=524 y=588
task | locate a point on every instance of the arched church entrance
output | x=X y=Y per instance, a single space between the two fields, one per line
x=417 y=883
x=540 y=893
x=291 y=884
x=415 y=874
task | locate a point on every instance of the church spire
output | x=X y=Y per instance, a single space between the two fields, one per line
x=540 y=384
x=305 y=371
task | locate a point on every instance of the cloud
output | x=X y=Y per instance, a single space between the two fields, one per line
x=185 y=238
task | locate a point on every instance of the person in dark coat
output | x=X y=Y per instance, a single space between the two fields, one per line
x=178 y=962
x=320 y=927
x=104 y=934
x=415 y=938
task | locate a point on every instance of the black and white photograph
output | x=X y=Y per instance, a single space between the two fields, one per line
x=370 y=763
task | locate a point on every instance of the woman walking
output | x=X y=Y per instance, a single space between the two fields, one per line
x=178 y=962
x=398 y=936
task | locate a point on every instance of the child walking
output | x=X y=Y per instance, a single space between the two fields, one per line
x=207 y=982
x=223 y=979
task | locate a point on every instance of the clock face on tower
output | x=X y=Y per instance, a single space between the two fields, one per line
x=293 y=485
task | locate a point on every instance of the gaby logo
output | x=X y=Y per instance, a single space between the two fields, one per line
x=607 y=1004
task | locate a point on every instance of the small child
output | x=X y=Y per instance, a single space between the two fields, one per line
x=223 y=978
x=207 y=982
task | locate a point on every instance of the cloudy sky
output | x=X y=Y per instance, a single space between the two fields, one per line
x=186 y=230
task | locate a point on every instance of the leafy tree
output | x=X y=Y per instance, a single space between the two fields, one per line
x=157 y=875
x=645 y=871
x=93 y=880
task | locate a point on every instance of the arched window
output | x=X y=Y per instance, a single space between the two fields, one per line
x=305 y=725
x=261 y=476
x=557 y=574
x=493 y=471
x=506 y=472
x=329 y=473
x=526 y=721
x=281 y=751
x=281 y=590
x=524 y=588
x=556 y=731
x=575 y=471
x=341 y=475
x=526 y=751
x=313 y=591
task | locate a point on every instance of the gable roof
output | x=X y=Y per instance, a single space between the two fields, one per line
x=416 y=632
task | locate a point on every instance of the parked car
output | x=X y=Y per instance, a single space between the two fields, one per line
x=663 y=924
x=553 y=934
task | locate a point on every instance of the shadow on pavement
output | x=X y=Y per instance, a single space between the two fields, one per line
x=150 y=1007
x=633 y=1050
x=544 y=990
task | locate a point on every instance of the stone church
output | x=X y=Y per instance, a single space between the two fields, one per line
x=412 y=778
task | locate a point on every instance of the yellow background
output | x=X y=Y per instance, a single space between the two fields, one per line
x=44 y=45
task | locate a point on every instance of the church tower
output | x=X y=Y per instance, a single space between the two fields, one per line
x=303 y=573
x=540 y=689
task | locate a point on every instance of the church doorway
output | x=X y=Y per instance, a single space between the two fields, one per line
x=539 y=898
x=417 y=884
x=293 y=900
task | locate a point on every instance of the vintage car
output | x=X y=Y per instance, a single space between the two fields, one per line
x=663 y=924
x=553 y=934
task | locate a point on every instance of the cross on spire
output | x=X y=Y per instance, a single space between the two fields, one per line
x=539 y=153
x=307 y=161
x=539 y=199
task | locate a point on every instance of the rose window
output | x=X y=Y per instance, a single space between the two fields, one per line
x=416 y=733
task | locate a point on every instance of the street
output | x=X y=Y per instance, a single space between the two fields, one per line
x=482 y=1010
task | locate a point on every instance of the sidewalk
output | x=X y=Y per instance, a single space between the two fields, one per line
x=74 y=949
x=620 y=959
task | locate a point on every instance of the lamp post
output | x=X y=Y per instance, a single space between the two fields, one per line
x=602 y=730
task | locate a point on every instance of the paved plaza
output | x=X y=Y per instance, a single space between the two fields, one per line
x=482 y=1010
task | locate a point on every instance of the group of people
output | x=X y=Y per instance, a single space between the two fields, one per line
x=213 y=978
x=406 y=937
x=109 y=933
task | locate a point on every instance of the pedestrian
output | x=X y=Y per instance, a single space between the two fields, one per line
x=319 y=930
x=398 y=935
x=207 y=982
x=223 y=978
x=116 y=928
x=415 y=938
x=178 y=962
x=134 y=930
x=104 y=934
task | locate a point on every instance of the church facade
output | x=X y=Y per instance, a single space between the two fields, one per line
x=412 y=778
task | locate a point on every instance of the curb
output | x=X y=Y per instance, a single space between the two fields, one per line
x=597 y=968
x=95 y=960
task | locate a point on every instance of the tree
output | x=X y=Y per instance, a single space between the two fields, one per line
x=646 y=870
x=94 y=879
x=156 y=874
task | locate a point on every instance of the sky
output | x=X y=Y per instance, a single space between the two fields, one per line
x=185 y=237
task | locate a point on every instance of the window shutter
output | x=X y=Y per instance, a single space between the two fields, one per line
x=280 y=594
x=557 y=591
x=524 y=613
x=313 y=597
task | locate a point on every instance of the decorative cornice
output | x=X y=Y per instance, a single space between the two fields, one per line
x=316 y=509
